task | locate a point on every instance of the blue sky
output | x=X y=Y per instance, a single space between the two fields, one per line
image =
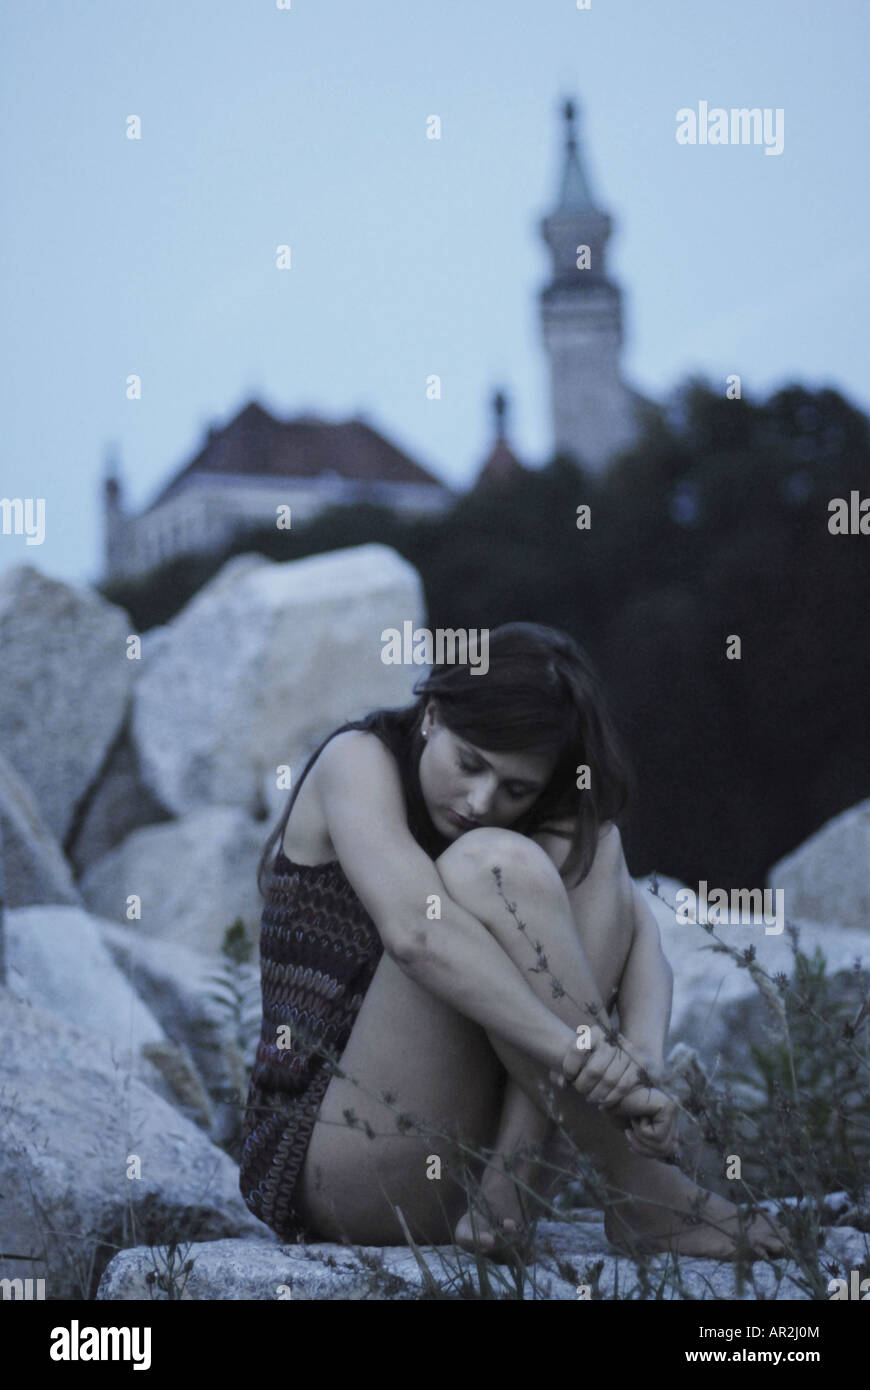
x=410 y=256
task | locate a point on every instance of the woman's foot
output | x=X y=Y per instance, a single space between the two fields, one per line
x=498 y=1218
x=637 y=1228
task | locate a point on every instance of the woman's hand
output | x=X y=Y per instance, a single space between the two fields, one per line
x=653 y=1119
x=652 y=1066
x=602 y=1072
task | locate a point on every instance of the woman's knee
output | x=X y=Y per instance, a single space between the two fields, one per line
x=471 y=861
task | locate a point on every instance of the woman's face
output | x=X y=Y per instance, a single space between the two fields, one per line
x=465 y=787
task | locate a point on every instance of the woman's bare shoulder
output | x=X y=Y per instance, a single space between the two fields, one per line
x=347 y=766
x=363 y=811
x=352 y=751
x=357 y=765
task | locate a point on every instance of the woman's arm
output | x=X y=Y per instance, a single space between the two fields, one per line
x=646 y=989
x=454 y=957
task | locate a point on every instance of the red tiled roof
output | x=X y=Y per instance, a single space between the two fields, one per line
x=256 y=444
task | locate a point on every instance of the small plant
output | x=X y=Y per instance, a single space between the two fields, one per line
x=236 y=990
x=816 y=1095
x=172 y=1270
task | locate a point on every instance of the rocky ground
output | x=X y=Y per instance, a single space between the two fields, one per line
x=572 y=1260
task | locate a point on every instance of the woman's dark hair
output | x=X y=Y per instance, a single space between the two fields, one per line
x=539 y=694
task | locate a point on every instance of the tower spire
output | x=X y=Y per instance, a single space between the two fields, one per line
x=501 y=469
x=574 y=193
x=499 y=409
x=581 y=318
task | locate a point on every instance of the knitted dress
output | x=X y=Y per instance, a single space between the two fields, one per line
x=319 y=949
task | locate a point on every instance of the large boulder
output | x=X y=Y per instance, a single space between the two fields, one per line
x=74 y=1126
x=261 y=664
x=193 y=876
x=567 y=1255
x=826 y=879
x=65 y=682
x=56 y=961
x=178 y=986
x=35 y=868
x=116 y=805
x=718 y=1008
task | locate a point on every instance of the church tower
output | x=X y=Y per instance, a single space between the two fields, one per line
x=593 y=410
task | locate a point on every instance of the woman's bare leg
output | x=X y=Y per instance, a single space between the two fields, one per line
x=508 y=1181
x=444 y=1069
x=604 y=898
x=529 y=890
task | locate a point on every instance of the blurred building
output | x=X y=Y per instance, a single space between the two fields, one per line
x=501 y=467
x=256 y=463
x=248 y=469
x=594 y=411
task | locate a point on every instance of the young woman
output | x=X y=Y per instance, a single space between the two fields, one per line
x=450 y=916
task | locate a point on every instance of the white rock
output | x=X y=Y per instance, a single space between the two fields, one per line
x=35 y=870
x=177 y=986
x=56 y=960
x=117 y=804
x=261 y=664
x=717 y=1005
x=566 y=1254
x=827 y=879
x=65 y=682
x=194 y=876
x=72 y=1122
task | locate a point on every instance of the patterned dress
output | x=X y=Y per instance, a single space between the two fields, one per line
x=319 y=949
